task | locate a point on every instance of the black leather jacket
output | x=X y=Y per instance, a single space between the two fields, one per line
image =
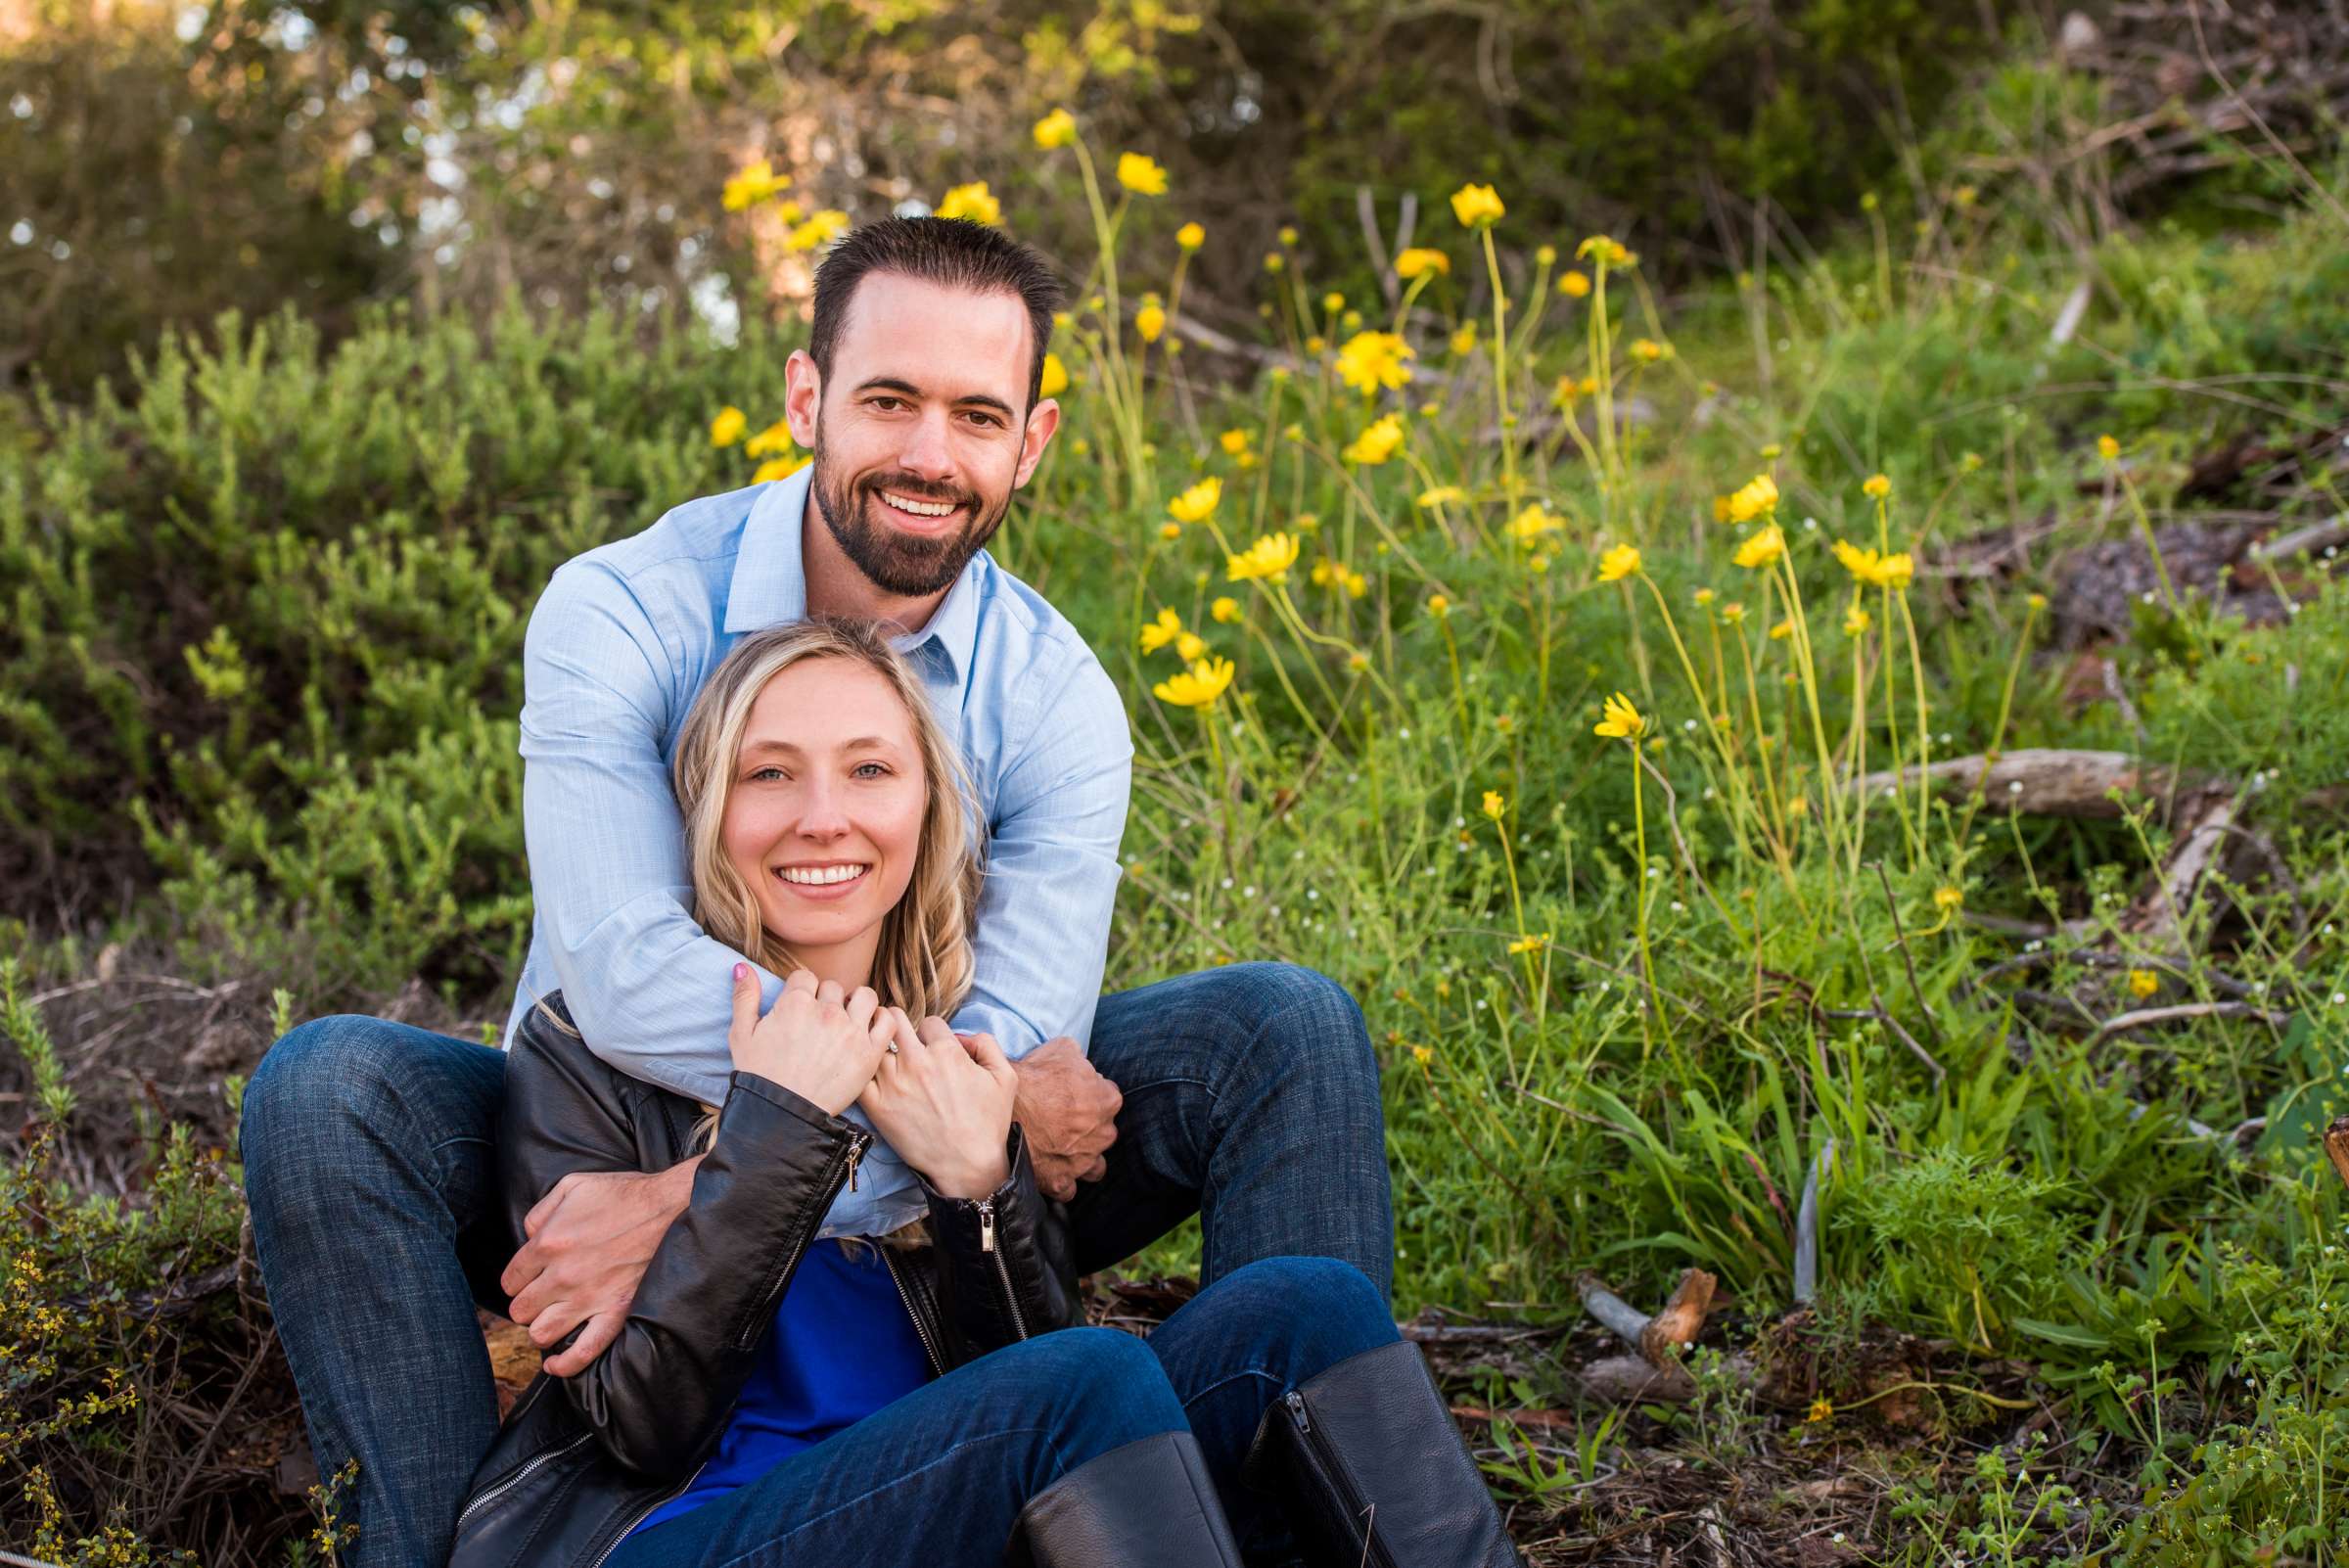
x=581 y=1460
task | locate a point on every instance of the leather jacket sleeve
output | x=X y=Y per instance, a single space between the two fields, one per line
x=659 y=1398
x=1006 y=1260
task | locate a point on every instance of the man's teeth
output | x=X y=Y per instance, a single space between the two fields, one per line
x=817 y=876
x=917 y=508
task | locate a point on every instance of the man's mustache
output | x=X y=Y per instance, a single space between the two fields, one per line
x=917 y=492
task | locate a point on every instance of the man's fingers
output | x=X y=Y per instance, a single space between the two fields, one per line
x=602 y=1330
x=544 y=1208
x=549 y=1322
x=1060 y=1190
x=1094 y=1172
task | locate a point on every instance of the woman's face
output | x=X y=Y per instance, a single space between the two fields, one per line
x=825 y=812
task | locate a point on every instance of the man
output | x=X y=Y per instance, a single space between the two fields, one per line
x=1248 y=1094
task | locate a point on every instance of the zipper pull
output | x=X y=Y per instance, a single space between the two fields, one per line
x=1296 y=1403
x=855 y=1153
x=986 y=1224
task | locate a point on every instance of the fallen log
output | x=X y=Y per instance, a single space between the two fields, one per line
x=2041 y=781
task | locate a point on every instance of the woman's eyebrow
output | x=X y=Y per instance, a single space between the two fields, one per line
x=856 y=743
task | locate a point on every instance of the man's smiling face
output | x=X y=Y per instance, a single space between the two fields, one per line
x=922 y=430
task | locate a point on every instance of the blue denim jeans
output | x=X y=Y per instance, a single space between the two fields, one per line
x=1250 y=1097
x=936 y=1478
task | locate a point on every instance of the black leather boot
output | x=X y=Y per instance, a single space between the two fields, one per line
x=1148 y=1505
x=1370 y=1470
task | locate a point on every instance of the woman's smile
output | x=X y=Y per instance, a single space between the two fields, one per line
x=823 y=879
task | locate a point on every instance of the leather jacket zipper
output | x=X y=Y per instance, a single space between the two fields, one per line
x=921 y=1330
x=523 y=1472
x=986 y=1244
x=646 y=1513
x=1364 y=1517
x=771 y=1292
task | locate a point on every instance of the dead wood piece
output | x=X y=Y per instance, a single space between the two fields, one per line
x=2207 y=836
x=1626 y=1379
x=2185 y=1012
x=2336 y=1145
x=2315 y=539
x=1551 y=1419
x=1628 y=1321
x=2040 y=781
x=1683 y=1319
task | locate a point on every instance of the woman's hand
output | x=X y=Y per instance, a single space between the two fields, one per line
x=944 y=1106
x=816 y=1042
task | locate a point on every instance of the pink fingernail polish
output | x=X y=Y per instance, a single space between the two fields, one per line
x=741 y=970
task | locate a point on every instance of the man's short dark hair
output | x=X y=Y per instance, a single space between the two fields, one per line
x=956 y=253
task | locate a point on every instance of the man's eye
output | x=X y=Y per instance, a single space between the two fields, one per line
x=988 y=420
x=879 y=401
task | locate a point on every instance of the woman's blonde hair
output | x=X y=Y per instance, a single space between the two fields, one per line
x=923 y=961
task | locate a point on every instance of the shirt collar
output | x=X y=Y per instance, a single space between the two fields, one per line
x=770 y=585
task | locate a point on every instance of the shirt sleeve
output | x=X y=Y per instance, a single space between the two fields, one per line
x=1043 y=933
x=649 y=990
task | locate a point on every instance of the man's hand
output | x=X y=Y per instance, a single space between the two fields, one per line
x=589 y=1241
x=1071 y=1116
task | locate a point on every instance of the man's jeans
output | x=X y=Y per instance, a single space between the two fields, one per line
x=1251 y=1095
x=938 y=1477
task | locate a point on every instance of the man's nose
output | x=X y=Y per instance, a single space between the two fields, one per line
x=929 y=453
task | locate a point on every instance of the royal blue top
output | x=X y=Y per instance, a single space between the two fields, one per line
x=840 y=1346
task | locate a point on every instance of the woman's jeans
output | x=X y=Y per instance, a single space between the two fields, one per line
x=1251 y=1098
x=936 y=1478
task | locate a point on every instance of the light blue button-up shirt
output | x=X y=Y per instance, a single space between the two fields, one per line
x=617 y=648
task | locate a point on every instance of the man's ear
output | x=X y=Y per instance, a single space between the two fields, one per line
x=1042 y=420
x=802 y=396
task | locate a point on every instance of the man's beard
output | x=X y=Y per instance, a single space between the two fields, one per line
x=909 y=566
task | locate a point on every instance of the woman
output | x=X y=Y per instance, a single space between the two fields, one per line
x=776 y=1398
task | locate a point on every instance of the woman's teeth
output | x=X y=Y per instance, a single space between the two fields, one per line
x=818 y=876
x=918 y=508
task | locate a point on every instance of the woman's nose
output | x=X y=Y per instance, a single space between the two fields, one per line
x=821 y=812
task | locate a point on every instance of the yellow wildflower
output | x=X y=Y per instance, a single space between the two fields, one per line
x=1704 y=597
x=775 y=468
x=1606 y=251
x=1783 y=630
x=1531 y=523
x=820 y=229
x=1463 y=338
x=1156 y=635
x=1733 y=613
x=1646 y=350
x=1442 y=495
x=1190 y=237
x=1356 y=584
x=1140 y=173
x=728 y=428
x=1195 y=504
x=1377 y=442
x=1619 y=719
x=1225 y=609
x=2109 y=450
x=1439 y=606
x=1619 y=562
x=1764 y=547
x=1876 y=570
x=1371 y=360
x=1190 y=647
x=1494 y=805
x=1567 y=390
x=1196 y=687
x=1877 y=486
x=1150 y=321
x=752 y=184
x=1574 y=284
x=1820 y=1409
x=974 y=202
x=1423 y=1054
x=777 y=437
x=1170 y=530
x=1948 y=897
x=1532 y=942
x=1055 y=378
x=2143 y=982
x=1056 y=129
x=1233 y=442
x=1419 y=258
x=1721 y=510
x=1477 y=205
x=1856 y=622
x=1332 y=302
x=1756 y=498
x=1269 y=558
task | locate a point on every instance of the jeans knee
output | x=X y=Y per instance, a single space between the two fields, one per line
x=323 y=1081
x=1324 y=1308
x=1305 y=1024
x=1107 y=1390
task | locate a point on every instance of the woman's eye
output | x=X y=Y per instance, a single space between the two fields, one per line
x=871 y=771
x=767 y=772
